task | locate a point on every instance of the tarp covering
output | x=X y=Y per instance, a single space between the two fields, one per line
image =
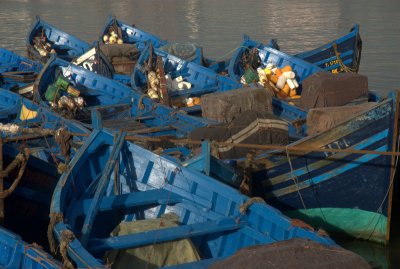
x=122 y=56
x=325 y=89
x=250 y=127
x=118 y=50
x=226 y=106
x=321 y=119
x=296 y=253
x=152 y=256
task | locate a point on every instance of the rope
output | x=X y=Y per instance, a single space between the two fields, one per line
x=64 y=139
x=140 y=105
x=244 y=207
x=54 y=219
x=21 y=159
x=294 y=178
x=379 y=209
x=66 y=238
x=388 y=190
x=342 y=65
x=228 y=53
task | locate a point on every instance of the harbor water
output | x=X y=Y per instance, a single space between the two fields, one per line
x=218 y=26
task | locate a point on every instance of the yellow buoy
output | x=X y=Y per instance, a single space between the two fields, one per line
x=113 y=40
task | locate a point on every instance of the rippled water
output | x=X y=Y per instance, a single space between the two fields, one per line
x=218 y=26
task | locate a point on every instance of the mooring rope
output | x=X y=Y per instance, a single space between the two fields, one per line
x=20 y=159
x=54 y=219
x=342 y=65
x=244 y=207
x=66 y=238
x=294 y=178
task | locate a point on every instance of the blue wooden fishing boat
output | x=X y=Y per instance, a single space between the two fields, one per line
x=31 y=119
x=113 y=183
x=130 y=34
x=16 y=71
x=61 y=78
x=203 y=80
x=327 y=184
x=119 y=105
x=37 y=144
x=45 y=40
x=266 y=54
x=340 y=55
x=15 y=253
x=44 y=37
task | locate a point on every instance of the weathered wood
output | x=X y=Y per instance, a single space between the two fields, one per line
x=91 y=214
x=163 y=235
x=291 y=149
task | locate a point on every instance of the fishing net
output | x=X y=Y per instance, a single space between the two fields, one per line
x=183 y=51
x=296 y=253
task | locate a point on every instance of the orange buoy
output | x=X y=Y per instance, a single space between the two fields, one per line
x=274 y=78
x=295 y=97
x=286 y=89
x=286 y=68
x=278 y=72
x=196 y=100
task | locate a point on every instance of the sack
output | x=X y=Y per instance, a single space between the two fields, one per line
x=325 y=89
x=226 y=106
x=123 y=57
x=321 y=119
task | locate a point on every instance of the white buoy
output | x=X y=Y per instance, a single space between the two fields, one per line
x=289 y=74
x=184 y=85
x=281 y=82
x=290 y=83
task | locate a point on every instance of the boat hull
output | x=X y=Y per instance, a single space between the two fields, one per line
x=15 y=253
x=308 y=184
x=150 y=186
x=340 y=55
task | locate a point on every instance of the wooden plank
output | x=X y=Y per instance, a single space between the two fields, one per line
x=322 y=162
x=163 y=235
x=101 y=188
x=129 y=201
x=364 y=159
